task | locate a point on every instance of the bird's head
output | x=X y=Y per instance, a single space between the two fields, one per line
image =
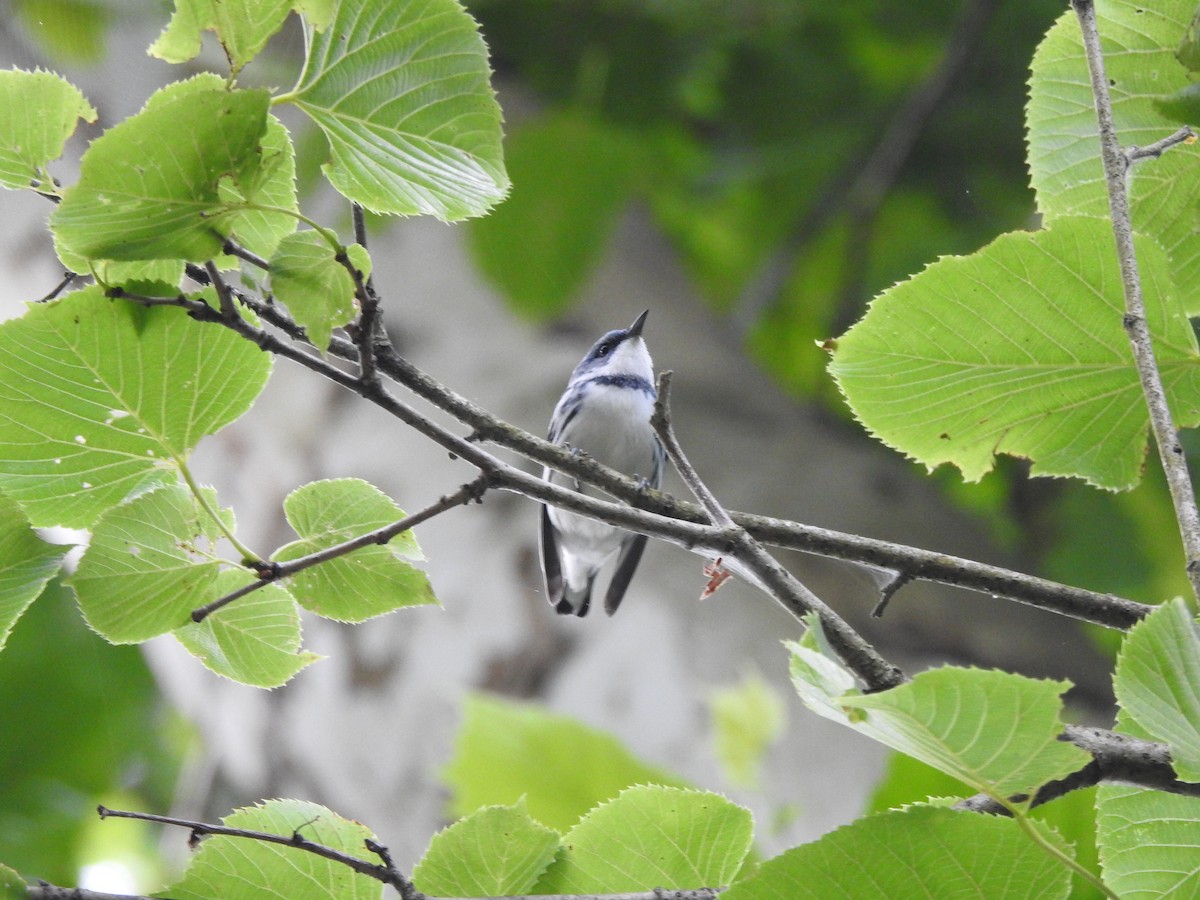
x=619 y=353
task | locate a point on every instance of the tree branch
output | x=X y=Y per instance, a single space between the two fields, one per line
x=916 y=563
x=1166 y=437
x=233 y=248
x=872 y=669
x=382 y=873
x=1135 y=154
x=386 y=873
x=368 y=331
x=274 y=571
x=1115 y=758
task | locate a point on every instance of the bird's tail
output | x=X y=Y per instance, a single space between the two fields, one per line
x=575 y=602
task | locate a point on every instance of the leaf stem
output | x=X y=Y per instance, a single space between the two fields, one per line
x=247 y=554
x=1031 y=831
x=1166 y=436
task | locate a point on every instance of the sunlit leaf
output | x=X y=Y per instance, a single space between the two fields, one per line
x=921 y=851
x=1139 y=41
x=98 y=399
x=38 y=112
x=1019 y=349
x=237 y=869
x=243 y=28
x=401 y=89
x=146 y=192
x=367 y=582
x=148 y=565
x=994 y=731
x=254 y=640
x=1157 y=680
x=317 y=290
x=495 y=851
x=653 y=835
x=1149 y=842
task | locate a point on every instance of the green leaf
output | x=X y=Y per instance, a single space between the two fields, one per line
x=90 y=719
x=368 y=582
x=1138 y=40
x=254 y=640
x=38 y=112
x=401 y=89
x=237 y=869
x=1019 y=349
x=272 y=187
x=315 y=287
x=1149 y=842
x=149 y=564
x=907 y=781
x=921 y=851
x=571 y=176
x=1181 y=106
x=243 y=28
x=12 y=885
x=99 y=399
x=505 y=751
x=747 y=719
x=1156 y=682
x=27 y=563
x=495 y=851
x=74 y=30
x=146 y=192
x=994 y=731
x=1188 y=52
x=653 y=835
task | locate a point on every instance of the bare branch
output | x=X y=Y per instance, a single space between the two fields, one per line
x=233 y=248
x=1134 y=153
x=765 y=571
x=274 y=571
x=386 y=873
x=223 y=293
x=1115 y=758
x=1166 y=436
x=918 y=564
x=368 y=331
x=295 y=839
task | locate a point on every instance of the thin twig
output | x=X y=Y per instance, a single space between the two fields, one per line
x=368 y=331
x=223 y=293
x=276 y=570
x=233 y=248
x=387 y=873
x=1115 y=758
x=1134 y=153
x=67 y=279
x=295 y=839
x=1166 y=436
x=874 y=671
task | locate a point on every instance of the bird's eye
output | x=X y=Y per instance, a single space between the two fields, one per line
x=604 y=349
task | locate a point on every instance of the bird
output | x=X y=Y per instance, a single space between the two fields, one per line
x=604 y=412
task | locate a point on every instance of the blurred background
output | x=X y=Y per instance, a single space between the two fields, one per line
x=753 y=172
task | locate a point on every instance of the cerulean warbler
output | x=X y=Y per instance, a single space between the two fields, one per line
x=605 y=412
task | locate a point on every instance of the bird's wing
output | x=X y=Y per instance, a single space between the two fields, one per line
x=627 y=563
x=551 y=565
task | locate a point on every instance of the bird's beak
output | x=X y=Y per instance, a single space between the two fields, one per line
x=635 y=330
